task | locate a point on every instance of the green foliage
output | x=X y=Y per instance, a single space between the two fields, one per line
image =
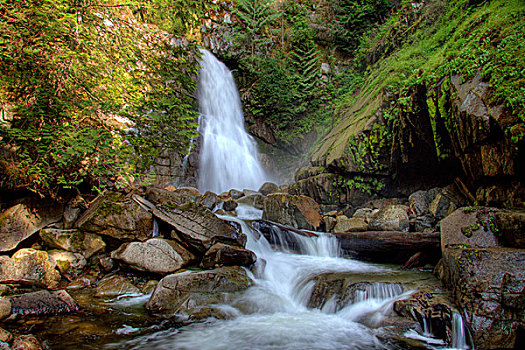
x=68 y=68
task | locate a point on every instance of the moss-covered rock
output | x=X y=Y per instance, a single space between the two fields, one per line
x=29 y=267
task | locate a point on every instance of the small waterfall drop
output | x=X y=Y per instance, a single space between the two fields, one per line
x=228 y=156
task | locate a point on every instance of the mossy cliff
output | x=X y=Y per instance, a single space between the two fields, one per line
x=441 y=101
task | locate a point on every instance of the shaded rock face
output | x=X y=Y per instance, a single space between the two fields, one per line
x=183 y=292
x=29 y=267
x=43 y=303
x=487 y=280
x=22 y=221
x=74 y=241
x=226 y=255
x=117 y=216
x=155 y=255
x=296 y=211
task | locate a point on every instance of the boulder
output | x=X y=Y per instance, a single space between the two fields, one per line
x=226 y=255
x=268 y=188
x=183 y=292
x=511 y=227
x=486 y=279
x=26 y=342
x=441 y=206
x=255 y=200
x=365 y=213
x=296 y=211
x=156 y=255
x=115 y=286
x=43 y=303
x=351 y=225
x=177 y=196
x=74 y=241
x=117 y=216
x=419 y=202
x=390 y=218
x=229 y=205
x=22 y=221
x=235 y=194
x=69 y=264
x=330 y=223
x=209 y=200
x=389 y=246
x=29 y=267
x=195 y=225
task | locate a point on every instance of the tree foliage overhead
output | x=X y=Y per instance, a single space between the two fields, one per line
x=74 y=76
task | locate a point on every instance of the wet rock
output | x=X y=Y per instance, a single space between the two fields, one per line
x=106 y=263
x=351 y=225
x=235 y=194
x=196 y=225
x=149 y=287
x=206 y=312
x=23 y=220
x=389 y=246
x=486 y=279
x=432 y=309
x=254 y=200
x=390 y=218
x=425 y=223
x=74 y=241
x=229 y=205
x=43 y=303
x=117 y=216
x=156 y=255
x=226 y=255
x=29 y=267
x=79 y=283
x=5 y=337
x=182 y=292
x=114 y=286
x=69 y=264
x=281 y=235
x=268 y=188
x=26 y=342
x=5 y=308
x=177 y=196
x=418 y=202
x=209 y=200
x=296 y=211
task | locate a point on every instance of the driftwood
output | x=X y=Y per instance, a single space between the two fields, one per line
x=389 y=246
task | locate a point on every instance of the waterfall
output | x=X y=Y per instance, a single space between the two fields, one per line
x=228 y=156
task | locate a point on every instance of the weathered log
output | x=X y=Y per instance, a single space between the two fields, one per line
x=389 y=246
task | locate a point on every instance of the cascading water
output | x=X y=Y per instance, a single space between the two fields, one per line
x=228 y=155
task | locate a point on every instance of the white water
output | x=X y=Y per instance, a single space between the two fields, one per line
x=228 y=156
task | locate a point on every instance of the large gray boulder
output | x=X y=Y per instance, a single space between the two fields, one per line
x=23 y=220
x=297 y=211
x=117 y=216
x=390 y=218
x=487 y=279
x=178 y=196
x=195 y=225
x=156 y=255
x=29 y=267
x=188 y=291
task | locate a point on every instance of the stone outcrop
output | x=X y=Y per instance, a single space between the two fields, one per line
x=296 y=211
x=29 y=267
x=156 y=255
x=184 y=292
x=486 y=278
x=117 y=216
x=23 y=220
x=226 y=255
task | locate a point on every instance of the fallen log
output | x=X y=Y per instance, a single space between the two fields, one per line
x=389 y=246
